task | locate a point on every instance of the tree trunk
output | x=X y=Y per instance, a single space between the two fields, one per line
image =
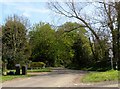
x=118 y=33
x=114 y=47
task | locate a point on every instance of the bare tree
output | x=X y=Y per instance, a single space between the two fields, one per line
x=111 y=13
x=117 y=7
x=72 y=10
x=104 y=22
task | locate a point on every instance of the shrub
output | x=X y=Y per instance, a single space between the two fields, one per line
x=37 y=64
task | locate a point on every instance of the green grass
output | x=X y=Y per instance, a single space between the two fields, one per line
x=35 y=70
x=101 y=76
x=11 y=77
x=40 y=70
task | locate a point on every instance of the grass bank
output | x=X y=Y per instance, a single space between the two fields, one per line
x=35 y=70
x=40 y=70
x=111 y=75
x=11 y=77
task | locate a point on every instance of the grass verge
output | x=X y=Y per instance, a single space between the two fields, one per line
x=35 y=70
x=11 y=77
x=101 y=76
x=40 y=70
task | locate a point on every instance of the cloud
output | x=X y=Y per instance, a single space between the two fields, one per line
x=26 y=14
x=27 y=8
x=8 y=3
x=24 y=0
x=33 y=9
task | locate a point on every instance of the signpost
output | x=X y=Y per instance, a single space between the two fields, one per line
x=111 y=56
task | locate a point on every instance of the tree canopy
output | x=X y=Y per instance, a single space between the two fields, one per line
x=14 y=42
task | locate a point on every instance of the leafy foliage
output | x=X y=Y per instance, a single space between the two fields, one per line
x=42 y=39
x=58 y=48
x=14 y=42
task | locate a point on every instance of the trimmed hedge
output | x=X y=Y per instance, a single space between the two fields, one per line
x=37 y=64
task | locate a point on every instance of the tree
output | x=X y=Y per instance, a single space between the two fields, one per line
x=103 y=19
x=110 y=12
x=76 y=45
x=54 y=47
x=0 y=41
x=72 y=9
x=42 y=41
x=65 y=43
x=14 y=41
x=117 y=7
x=82 y=57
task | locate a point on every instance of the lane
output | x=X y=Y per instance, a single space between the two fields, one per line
x=57 y=78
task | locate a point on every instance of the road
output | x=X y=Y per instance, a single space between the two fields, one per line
x=59 y=77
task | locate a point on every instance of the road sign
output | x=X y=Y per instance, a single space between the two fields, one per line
x=110 y=53
x=111 y=56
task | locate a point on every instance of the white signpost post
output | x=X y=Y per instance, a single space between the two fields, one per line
x=111 y=56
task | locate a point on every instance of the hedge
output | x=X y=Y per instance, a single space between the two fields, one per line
x=37 y=64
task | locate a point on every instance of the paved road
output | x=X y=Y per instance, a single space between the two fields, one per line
x=57 y=78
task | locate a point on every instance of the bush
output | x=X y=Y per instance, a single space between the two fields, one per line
x=37 y=64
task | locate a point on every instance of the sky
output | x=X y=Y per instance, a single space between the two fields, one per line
x=35 y=11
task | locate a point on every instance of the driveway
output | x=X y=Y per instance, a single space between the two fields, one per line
x=59 y=77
